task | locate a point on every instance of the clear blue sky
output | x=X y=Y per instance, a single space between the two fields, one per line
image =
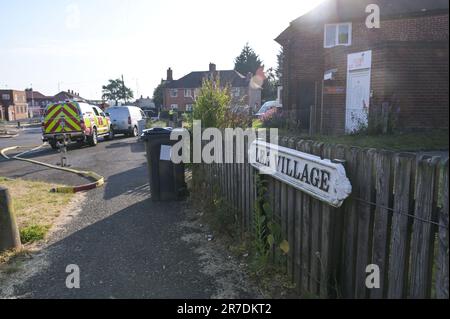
x=79 y=45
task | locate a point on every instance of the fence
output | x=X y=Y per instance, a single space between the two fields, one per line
x=396 y=218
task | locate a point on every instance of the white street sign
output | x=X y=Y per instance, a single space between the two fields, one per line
x=322 y=179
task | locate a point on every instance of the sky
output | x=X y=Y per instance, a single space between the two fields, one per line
x=54 y=45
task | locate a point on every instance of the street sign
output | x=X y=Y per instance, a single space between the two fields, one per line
x=321 y=178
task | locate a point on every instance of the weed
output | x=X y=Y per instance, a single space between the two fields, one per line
x=33 y=233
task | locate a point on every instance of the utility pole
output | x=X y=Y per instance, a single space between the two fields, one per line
x=32 y=100
x=123 y=87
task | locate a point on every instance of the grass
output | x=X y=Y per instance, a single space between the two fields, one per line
x=412 y=141
x=35 y=207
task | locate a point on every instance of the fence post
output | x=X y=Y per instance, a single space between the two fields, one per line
x=9 y=233
x=442 y=255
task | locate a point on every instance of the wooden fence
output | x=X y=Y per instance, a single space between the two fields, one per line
x=396 y=218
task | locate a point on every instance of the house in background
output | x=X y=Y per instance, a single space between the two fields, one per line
x=68 y=95
x=15 y=105
x=146 y=103
x=37 y=102
x=180 y=94
x=339 y=74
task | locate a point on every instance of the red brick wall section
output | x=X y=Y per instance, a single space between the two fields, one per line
x=409 y=67
x=180 y=100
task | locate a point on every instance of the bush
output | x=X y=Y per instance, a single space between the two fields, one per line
x=33 y=233
x=164 y=115
x=274 y=118
x=211 y=104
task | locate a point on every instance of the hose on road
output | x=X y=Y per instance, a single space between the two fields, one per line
x=99 y=180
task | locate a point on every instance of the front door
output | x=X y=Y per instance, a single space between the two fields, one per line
x=358 y=91
x=358 y=98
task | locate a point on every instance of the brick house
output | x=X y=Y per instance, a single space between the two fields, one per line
x=180 y=94
x=15 y=105
x=37 y=102
x=68 y=95
x=339 y=75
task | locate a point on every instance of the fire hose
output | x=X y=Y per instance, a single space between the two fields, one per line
x=99 y=180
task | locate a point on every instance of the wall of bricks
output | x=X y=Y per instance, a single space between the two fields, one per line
x=409 y=70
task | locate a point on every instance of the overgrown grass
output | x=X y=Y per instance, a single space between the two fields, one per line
x=433 y=140
x=35 y=207
x=267 y=271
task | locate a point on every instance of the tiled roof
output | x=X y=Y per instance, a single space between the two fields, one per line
x=63 y=96
x=37 y=95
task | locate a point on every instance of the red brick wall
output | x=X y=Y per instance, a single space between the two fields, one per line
x=409 y=67
x=183 y=101
x=180 y=100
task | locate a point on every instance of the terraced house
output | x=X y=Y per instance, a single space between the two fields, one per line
x=180 y=94
x=14 y=105
x=342 y=74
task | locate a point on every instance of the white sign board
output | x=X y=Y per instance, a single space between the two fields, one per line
x=359 y=61
x=322 y=179
x=166 y=153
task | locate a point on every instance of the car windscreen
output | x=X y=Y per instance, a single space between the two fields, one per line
x=266 y=107
x=118 y=112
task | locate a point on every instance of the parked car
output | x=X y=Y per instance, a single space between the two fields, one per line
x=76 y=122
x=125 y=119
x=267 y=107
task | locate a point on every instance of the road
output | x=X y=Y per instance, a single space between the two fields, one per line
x=125 y=245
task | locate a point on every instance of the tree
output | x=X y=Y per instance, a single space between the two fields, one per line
x=273 y=79
x=247 y=61
x=270 y=86
x=279 y=69
x=158 y=94
x=116 y=91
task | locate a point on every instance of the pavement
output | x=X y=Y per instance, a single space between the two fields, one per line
x=125 y=245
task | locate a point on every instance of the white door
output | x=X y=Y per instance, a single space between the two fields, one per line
x=358 y=98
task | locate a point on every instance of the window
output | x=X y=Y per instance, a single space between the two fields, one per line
x=236 y=92
x=174 y=93
x=174 y=107
x=6 y=97
x=95 y=111
x=338 y=34
x=187 y=93
x=189 y=107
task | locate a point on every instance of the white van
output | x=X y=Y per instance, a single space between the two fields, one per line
x=125 y=119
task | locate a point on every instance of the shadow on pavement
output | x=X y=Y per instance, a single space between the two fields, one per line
x=136 y=181
x=135 y=253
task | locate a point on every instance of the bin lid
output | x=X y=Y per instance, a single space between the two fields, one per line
x=157 y=131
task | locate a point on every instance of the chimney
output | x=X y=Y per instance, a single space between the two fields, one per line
x=212 y=67
x=169 y=74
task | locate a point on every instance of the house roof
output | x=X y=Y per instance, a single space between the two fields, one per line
x=195 y=79
x=355 y=10
x=37 y=95
x=62 y=96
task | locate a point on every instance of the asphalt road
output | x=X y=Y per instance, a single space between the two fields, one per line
x=125 y=245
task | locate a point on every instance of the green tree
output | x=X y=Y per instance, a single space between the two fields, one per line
x=270 y=86
x=279 y=69
x=116 y=91
x=158 y=94
x=247 y=61
x=273 y=79
x=212 y=104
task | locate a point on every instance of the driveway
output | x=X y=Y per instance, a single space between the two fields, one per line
x=125 y=245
